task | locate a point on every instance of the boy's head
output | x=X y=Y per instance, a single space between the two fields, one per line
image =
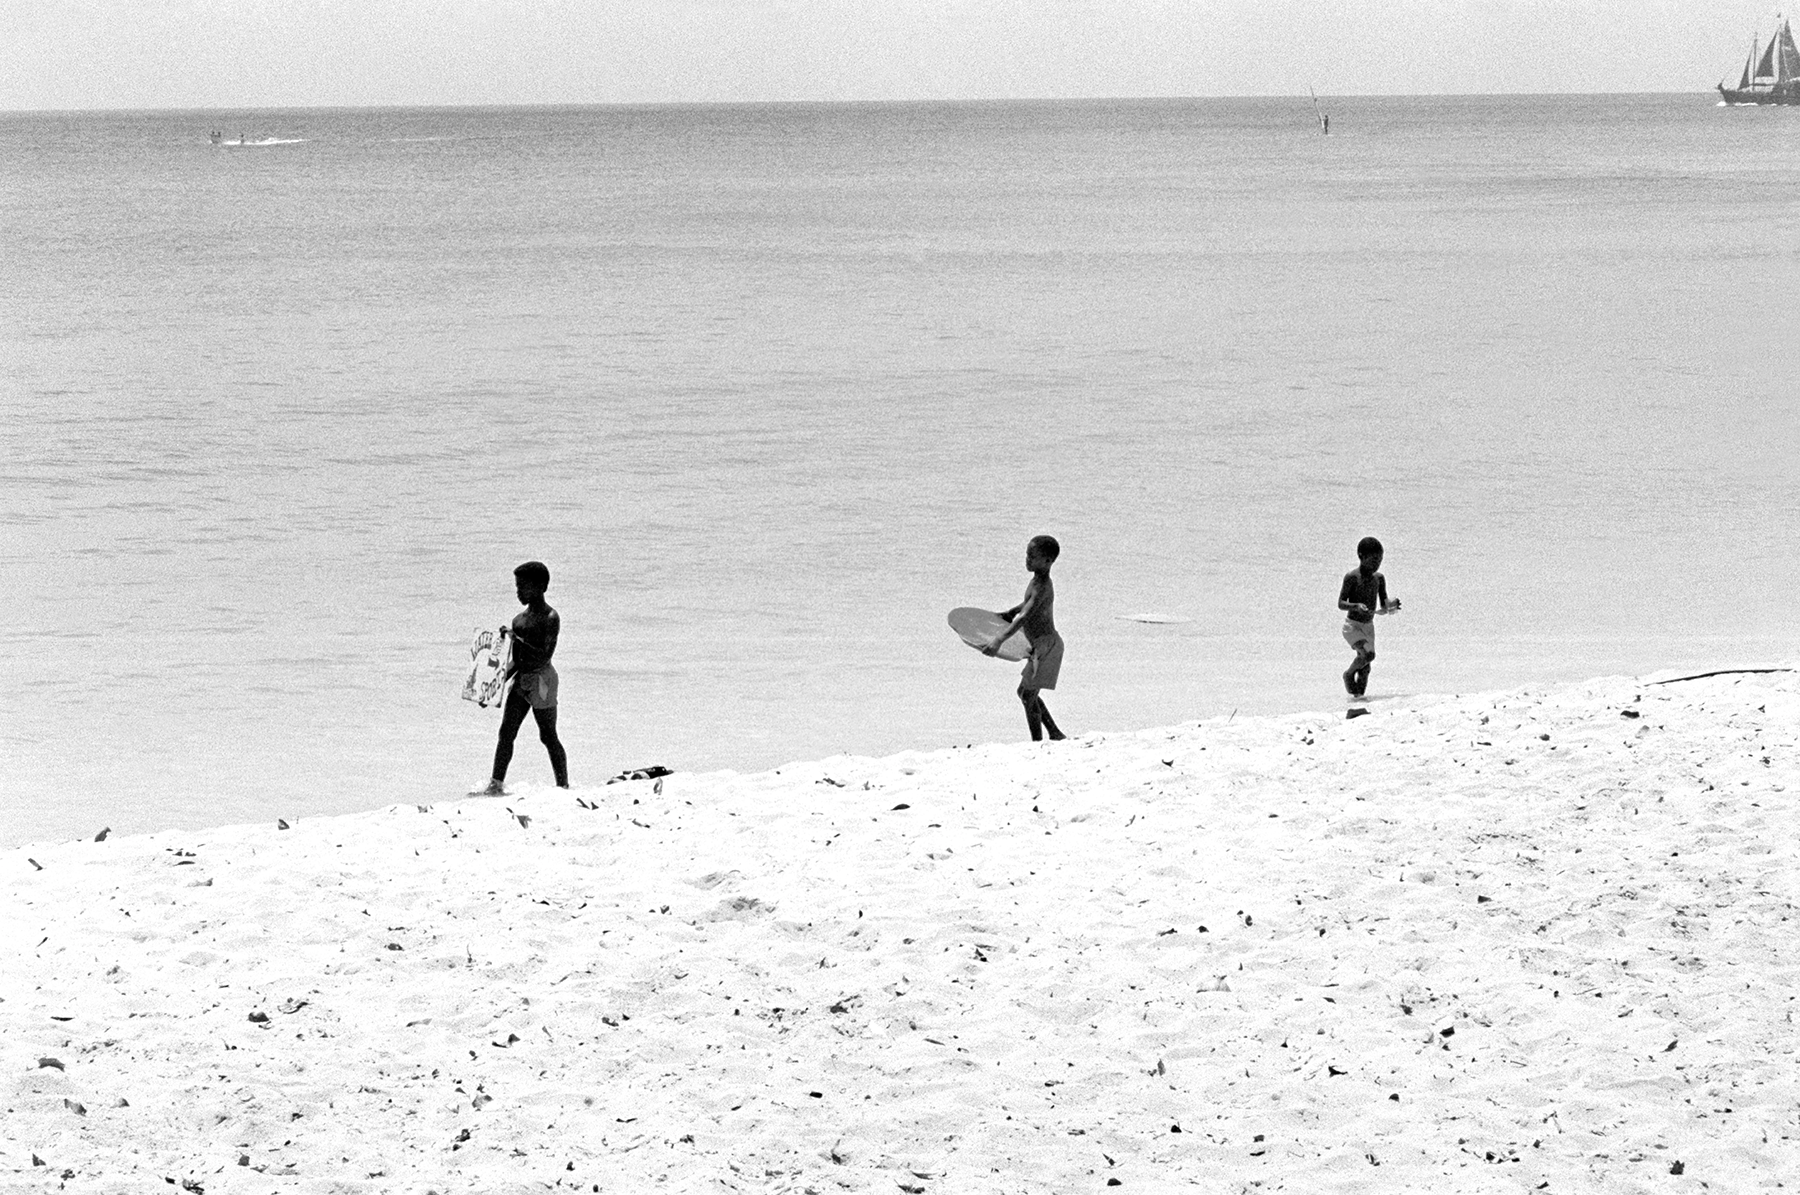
x=1042 y=552
x=532 y=576
x=1367 y=549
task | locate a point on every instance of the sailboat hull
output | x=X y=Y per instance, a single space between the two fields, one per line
x=1786 y=93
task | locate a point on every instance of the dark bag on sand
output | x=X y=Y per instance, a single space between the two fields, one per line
x=649 y=773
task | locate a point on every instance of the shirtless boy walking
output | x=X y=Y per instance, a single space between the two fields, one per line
x=1362 y=596
x=534 y=634
x=1035 y=616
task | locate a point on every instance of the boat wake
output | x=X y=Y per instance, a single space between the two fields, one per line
x=259 y=143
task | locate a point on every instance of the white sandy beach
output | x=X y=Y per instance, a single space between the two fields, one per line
x=1534 y=940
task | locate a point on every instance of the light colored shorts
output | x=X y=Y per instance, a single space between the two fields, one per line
x=1356 y=634
x=538 y=687
x=1044 y=662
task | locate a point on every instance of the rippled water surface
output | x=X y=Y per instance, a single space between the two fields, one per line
x=771 y=388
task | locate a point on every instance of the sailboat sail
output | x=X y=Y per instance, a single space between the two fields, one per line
x=1766 y=68
x=1787 y=59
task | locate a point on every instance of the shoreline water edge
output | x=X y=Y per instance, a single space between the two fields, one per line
x=1487 y=942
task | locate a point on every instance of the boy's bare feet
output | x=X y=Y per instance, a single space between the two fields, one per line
x=493 y=788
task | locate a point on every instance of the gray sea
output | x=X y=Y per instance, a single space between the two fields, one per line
x=773 y=387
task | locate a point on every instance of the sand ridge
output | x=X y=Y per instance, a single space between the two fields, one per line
x=1534 y=940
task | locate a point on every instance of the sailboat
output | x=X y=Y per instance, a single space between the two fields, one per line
x=1771 y=73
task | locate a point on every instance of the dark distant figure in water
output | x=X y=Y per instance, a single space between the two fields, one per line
x=1361 y=597
x=1035 y=616
x=532 y=677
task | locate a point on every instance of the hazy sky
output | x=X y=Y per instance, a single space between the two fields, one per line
x=270 y=53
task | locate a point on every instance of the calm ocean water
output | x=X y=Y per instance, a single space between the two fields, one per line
x=771 y=388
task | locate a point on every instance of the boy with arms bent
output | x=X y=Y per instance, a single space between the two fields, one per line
x=534 y=634
x=1035 y=616
x=1362 y=595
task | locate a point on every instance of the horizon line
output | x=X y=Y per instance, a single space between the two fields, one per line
x=770 y=103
